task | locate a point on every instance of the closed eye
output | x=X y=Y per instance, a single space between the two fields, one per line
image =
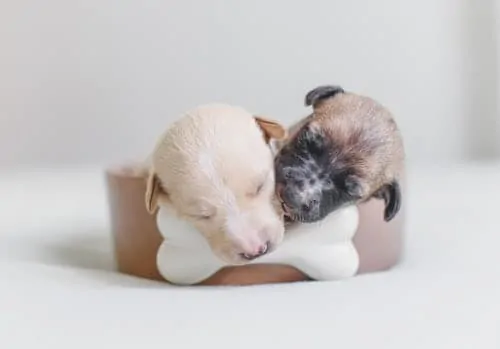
x=259 y=188
x=261 y=185
x=203 y=217
x=201 y=211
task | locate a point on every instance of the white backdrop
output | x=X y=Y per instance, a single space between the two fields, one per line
x=92 y=81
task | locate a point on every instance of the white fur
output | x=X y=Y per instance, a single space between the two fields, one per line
x=209 y=162
x=323 y=250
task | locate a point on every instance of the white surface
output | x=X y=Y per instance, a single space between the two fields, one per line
x=322 y=250
x=87 y=69
x=58 y=288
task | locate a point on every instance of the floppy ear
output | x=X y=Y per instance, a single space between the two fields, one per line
x=271 y=129
x=391 y=194
x=153 y=193
x=322 y=92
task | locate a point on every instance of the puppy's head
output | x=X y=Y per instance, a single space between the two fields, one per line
x=214 y=168
x=348 y=150
x=309 y=184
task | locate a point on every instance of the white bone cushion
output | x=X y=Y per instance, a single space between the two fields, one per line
x=324 y=250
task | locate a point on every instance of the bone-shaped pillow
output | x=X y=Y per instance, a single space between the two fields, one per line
x=324 y=250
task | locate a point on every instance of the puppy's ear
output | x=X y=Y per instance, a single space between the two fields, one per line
x=270 y=128
x=153 y=192
x=322 y=92
x=391 y=194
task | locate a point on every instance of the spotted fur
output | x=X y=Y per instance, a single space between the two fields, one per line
x=349 y=150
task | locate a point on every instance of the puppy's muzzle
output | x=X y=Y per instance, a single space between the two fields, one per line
x=297 y=208
x=260 y=251
x=291 y=200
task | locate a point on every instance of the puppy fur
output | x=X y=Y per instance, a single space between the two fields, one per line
x=214 y=169
x=347 y=151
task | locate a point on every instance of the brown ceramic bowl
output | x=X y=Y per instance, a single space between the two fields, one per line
x=137 y=239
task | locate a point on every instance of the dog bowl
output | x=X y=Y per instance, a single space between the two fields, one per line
x=136 y=237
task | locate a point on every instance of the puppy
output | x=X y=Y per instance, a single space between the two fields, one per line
x=214 y=169
x=347 y=151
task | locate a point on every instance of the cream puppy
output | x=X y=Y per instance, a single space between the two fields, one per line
x=214 y=168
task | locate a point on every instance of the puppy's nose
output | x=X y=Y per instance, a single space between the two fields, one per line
x=309 y=206
x=261 y=250
x=306 y=207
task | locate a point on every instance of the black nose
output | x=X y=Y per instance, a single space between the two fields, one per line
x=307 y=207
x=263 y=250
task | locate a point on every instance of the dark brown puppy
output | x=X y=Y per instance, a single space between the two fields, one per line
x=346 y=152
